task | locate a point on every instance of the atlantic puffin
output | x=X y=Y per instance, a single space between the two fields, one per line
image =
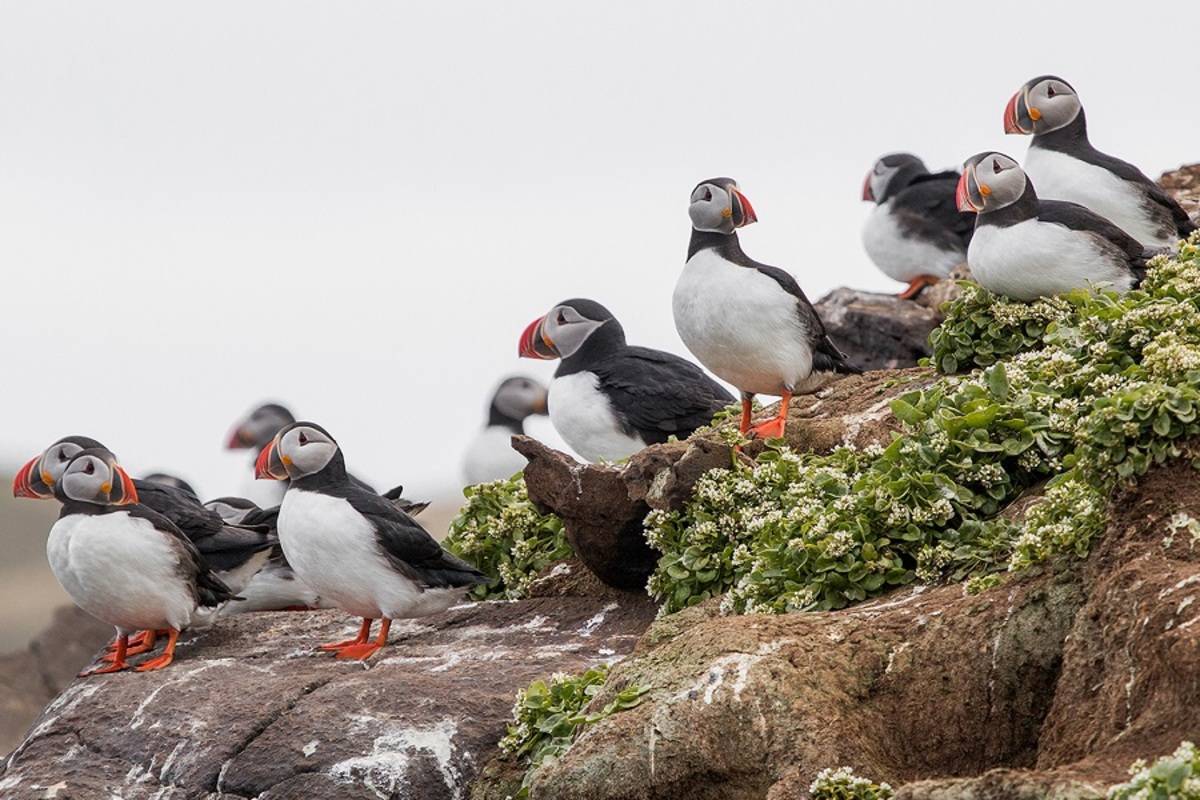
x=609 y=399
x=236 y=552
x=124 y=563
x=352 y=546
x=1064 y=165
x=174 y=481
x=1026 y=248
x=915 y=234
x=750 y=324
x=490 y=456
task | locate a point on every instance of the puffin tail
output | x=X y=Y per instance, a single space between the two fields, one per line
x=211 y=591
x=828 y=358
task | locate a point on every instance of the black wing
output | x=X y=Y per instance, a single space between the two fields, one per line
x=1155 y=194
x=826 y=355
x=659 y=394
x=408 y=546
x=927 y=209
x=181 y=508
x=1080 y=218
x=410 y=507
x=209 y=590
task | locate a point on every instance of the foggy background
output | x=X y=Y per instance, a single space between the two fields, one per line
x=355 y=209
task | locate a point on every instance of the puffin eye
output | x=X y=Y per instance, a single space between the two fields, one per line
x=303 y=439
x=62 y=456
x=89 y=468
x=561 y=319
x=996 y=168
x=707 y=194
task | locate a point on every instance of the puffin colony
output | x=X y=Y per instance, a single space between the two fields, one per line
x=1070 y=218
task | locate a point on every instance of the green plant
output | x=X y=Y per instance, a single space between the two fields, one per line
x=1083 y=392
x=548 y=716
x=1173 y=777
x=843 y=784
x=501 y=532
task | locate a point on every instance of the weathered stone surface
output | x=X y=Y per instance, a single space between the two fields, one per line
x=1047 y=686
x=250 y=709
x=877 y=331
x=1184 y=185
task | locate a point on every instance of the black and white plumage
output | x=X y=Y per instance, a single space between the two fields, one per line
x=1063 y=165
x=915 y=234
x=749 y=323
x=608 y=399
x=490 y=456
x=1025 y=247
x=173 y=481
x=124 y=563
x=352 y=546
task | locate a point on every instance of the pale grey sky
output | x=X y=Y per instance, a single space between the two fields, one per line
x=355 y=208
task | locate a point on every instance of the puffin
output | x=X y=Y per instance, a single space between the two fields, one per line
x=915 y=234
x=610 y=399
x=124 y=563
x=353 y=546
x=748 y=323
x=1064 y=165
x=490 y=456
x=167 y=479
x=1025 y=247
x=235 y=551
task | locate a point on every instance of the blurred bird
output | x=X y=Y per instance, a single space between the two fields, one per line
x=356 y=549
x=490 y=456
x=1025 y=247
x=608 y=399
x=173 y=481
x=124 y=563
x=915 y=235
x=1063 y=165
x=750 y=324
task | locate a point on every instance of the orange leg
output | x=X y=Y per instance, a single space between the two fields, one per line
x=916 y=286
x=747 y=411
x=117 y=662
x=364 y=633
x=166 y=658
x=362 y=652
x=140 y=642
x=773 y=428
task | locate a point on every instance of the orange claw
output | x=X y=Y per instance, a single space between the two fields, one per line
x=774 y=428
x=364 y=633
x=363 y=651
x=116 y=662
x=166 y=658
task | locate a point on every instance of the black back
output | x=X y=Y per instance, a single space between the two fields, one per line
x=926 y=209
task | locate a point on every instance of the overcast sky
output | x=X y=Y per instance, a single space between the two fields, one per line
x=355 y=208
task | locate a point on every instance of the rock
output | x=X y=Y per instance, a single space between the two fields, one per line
x=1184 y=185
x=877 y=331
x=1049 y=685
x=32 y=677
x=249 y=709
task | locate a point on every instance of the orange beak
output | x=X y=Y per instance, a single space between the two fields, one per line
x=268 y=465
x=748 y=215
x=1011 y=122
x=129 y=494
x=535 y=343
x=962 y=197
x=867 y=193
x=22 y=482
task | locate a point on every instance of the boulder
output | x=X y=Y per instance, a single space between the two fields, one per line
x=251 y=709
x=1184 y=185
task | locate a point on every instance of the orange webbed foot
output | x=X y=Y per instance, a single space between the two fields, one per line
x=359 y=652
x=364 y=633
x=771 y=429
x=166 y=658
x=916 y=286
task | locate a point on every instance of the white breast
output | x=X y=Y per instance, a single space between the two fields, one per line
x=1037 y=259
x=274 y=588
x=904 y=258
x=333 y=549
x=121 y=570
x=584 y=418
x=1058 y=176
x=490 y=457
x=741 y=325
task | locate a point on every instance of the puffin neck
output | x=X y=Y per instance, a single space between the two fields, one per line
x=1026 y=207
x=605 y=341
x=332 y=474
x=1071 y=138
x=70 y=507
x=498 y=419
x=726 y=244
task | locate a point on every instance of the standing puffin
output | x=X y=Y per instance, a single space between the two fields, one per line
x=748 y=323
x=123 y=563
x=236 y=552
x=915 y=235
x=1026 y=248
x=608 y=399
x=1064 y=166
x=352 y=546
x=490 y=456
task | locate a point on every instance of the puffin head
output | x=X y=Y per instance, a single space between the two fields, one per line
x=990 y=181
x=1043 y=104
x=93 y=476
x=38 y=477
x=519 y=397
x=563 y=332
x=890 y=173
x=718 y=206
x=298 y=450
x=259 y=427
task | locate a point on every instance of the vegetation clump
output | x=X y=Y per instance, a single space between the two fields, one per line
x=843 y=784
x=503 y=534
x=548 y=716
x=1173 y=777
x=1078 y=392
